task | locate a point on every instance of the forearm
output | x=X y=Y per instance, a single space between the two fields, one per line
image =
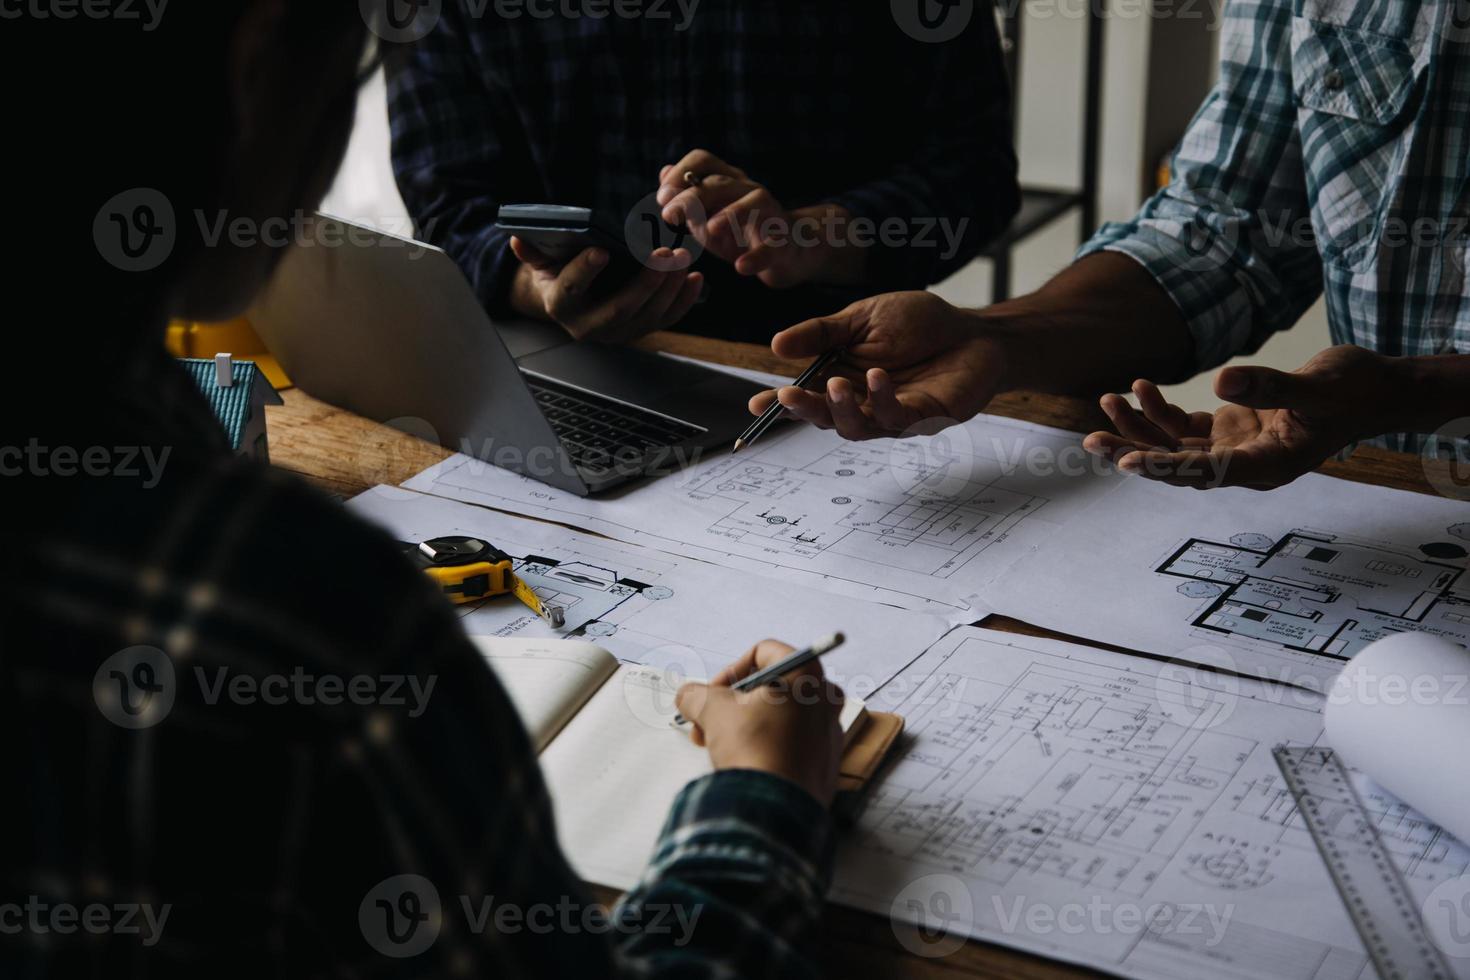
x=1097 y=326
x=1427 y=393
x=744 y=861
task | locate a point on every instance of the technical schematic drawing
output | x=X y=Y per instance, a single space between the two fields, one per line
x=1321 y=593
x=902 y=505
x=1044 y=774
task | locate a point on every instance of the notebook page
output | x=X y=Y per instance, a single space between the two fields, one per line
x=548 y=680
x=613 y=773
x=615 y=769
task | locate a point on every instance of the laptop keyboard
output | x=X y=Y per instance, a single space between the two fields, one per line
x=597 y=432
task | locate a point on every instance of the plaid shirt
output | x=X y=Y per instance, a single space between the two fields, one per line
x=269 y=837
x=822 y=103
x=1333 y=156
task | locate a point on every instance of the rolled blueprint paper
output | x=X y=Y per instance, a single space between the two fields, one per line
x=1400 y=712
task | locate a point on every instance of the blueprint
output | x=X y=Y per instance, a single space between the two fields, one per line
x=644 y=607
x=1286 y=585
x=921 y=523
x=1107 y=810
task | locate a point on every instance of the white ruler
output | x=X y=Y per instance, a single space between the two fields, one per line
x=1384 y=912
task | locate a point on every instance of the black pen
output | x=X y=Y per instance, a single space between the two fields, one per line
x=773 y=673
x=769 y=416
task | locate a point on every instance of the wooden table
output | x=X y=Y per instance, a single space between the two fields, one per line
x=346 y=454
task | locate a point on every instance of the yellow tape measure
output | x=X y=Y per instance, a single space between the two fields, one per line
x=470 y=569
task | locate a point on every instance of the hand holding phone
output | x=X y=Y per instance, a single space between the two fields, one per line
x=576 y=272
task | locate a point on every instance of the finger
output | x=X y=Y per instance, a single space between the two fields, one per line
x=684 y=302
x=1205 y=470
x=651 y=314
x=1111 y=446
x=576 y=277
x=1171 y=419
x=761 y=401
x=883 y=402
x=818 y=336
x=699 y=703
x=619 y=308
x=737 y=228
x=532 y=256
x=847 y=415
x=1132 y=425
x=806 y=405
x=762 y=655
x=1259 y=387
x=695 y=205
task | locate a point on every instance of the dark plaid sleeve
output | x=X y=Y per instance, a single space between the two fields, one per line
x=753 y=852
x=961 y=174
x=450 y=135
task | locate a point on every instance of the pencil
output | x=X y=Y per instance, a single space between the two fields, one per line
x=773 y=673
x=773 y=412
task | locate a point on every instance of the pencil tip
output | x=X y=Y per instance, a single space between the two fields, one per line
x=739 y=445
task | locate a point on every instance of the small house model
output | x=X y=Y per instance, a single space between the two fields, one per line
x=238 y=392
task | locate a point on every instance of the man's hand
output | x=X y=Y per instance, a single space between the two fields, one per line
x=741 y=221
x=1280 y=426
x=652 y=300
x=790 y=730
x=912 y=364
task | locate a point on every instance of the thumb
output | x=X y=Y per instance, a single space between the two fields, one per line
x=818 y=336
x=532 y=256
x=1260 y=387
x=697 y=703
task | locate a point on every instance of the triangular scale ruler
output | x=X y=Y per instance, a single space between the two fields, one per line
x=1377 y=899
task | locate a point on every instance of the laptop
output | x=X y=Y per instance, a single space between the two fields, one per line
x=389 y=328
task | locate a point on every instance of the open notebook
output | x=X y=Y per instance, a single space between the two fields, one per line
x=612 y=761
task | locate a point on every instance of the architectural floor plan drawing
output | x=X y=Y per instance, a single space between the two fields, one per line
x=650 y=608
x=921 y=523
x=1286 y=585
x=1093 y=807
x=1317 y=593
x=942 y=521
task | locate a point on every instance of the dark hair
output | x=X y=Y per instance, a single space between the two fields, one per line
x=103 y=106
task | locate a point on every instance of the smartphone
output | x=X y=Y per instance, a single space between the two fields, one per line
x=562 y=233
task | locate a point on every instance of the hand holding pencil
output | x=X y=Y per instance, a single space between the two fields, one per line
x=793 y=734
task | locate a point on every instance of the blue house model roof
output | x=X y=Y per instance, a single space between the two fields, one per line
x=236 y=404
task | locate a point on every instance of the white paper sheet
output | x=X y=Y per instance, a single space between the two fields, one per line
x=920 y=523
x=646 y=607
x=1400 y=712
x=1102 y=809
x=1286 y=585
